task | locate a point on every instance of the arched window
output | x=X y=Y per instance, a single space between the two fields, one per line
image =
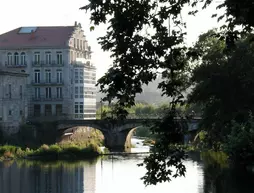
x=16 y=59
x=23 y=58
x=9 y=58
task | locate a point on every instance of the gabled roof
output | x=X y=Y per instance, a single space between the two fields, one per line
x=55 y=36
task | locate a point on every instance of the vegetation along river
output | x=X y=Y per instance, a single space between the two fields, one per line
x=120 y=174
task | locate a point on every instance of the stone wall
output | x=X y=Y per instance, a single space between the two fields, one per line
x=13 y=100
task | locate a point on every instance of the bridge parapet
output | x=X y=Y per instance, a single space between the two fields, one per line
x=98 y=117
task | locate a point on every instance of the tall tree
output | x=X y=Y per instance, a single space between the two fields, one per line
x=223 y=83
x=138 y=54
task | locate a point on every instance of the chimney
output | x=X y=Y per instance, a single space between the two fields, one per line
x=76 y=23
x=32 y=34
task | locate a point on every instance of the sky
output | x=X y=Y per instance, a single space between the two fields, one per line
x=17 y=13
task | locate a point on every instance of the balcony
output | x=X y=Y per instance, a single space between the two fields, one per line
x=82 y=62
x=45 y=83
x=17 y=65
x=44 y=98
x=52 y=63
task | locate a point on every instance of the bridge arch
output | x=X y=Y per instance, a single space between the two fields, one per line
x=80 y=134
x=117 y=134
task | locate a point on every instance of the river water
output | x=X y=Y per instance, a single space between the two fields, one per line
x=119 y=174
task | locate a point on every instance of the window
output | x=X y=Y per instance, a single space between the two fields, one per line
x=71 y=56
x=59 y=56
x=23 y=58
x=81 y=90
x=16 y=59
x=76 y=107
x=20 y=112
x=9 y=59
x=59 y=109
x=9 y=91
x=48 y=76
x=20 y=91
x=37 y=93
x=74 y=43
x=59 y=76
x=37 y=76
x=76 y=92
x=37 y=57
x=81 y=76
x=59 y=93
x=86 y=55
x=10 y=112
x=77 y=43
x=48 y=57
x=48 y=110
x=76 y=76
x=48 y=92
x=37 y=110
x=81 y=107
x=81 y=45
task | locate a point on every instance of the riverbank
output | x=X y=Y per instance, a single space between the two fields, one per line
x=51 y=152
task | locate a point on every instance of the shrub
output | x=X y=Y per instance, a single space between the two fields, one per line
x=55 y=148
x=6 y=148
x=44 y=147
x=8 y=154
x=20 y=152
x=239 y=144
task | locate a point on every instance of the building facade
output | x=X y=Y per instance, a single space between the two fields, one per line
x=13 y=99
x=61 y=75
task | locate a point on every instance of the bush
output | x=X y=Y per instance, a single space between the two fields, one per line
x=7 y=148
x=20 y=152
x=240 y=142
x=8 y=155
x=55 y=148
x=44 y=147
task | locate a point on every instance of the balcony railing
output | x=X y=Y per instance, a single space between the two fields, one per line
x=86 y=63
x=15 y=65
x=52 y=63
x=44 y=98
x=46 y=83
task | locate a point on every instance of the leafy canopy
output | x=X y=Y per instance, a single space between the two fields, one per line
x=223 y=83
x=139 y=54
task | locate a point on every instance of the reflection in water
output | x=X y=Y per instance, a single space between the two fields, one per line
x=47 y=178
x=207 y=173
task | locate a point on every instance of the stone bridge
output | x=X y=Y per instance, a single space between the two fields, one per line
x=117 y=134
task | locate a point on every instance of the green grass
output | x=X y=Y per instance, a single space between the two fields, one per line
x=65 y=151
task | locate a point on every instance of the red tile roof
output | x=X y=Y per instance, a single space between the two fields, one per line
x=55 y=36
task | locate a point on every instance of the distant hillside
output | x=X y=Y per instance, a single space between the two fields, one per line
x=150 y=94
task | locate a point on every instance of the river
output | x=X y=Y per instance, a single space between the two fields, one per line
x=119 y=174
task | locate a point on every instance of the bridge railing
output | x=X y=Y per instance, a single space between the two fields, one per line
x=93 y=117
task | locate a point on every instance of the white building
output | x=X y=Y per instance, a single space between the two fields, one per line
x=13 y=99
x=58 y=59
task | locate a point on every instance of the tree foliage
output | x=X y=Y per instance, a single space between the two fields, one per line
x=239 y=144
x=138 y=55
x=223 y=84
